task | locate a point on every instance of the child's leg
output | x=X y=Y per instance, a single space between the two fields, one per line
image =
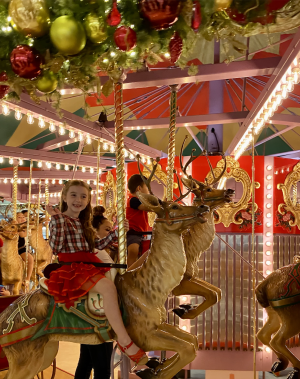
x=111 y=307
x=29 y=264
x=133 y=253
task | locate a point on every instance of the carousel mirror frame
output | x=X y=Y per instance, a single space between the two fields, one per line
x=109 y=184
x=227 y=214
x=290 y=205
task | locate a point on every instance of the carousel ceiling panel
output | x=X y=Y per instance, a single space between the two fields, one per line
x=276 y=145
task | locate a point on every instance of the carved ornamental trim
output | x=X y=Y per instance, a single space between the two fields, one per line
x=109 y=188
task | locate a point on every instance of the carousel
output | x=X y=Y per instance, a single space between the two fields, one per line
x=201 y=98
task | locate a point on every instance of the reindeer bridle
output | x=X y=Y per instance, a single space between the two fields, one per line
x=169 y=220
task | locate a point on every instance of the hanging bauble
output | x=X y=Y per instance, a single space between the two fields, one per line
x=114 y=17
x=196 y=16
x=221 y=5
x=125 y=38
x=47 y=82
x=95 y=28
x=175 y=47
x=29 y=17
x=160 y=13
x=26 y=61
x=236 y=16
x=67 y=35
x=3 y=89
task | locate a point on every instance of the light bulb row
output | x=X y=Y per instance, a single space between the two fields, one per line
x=268 y=234
x=286 y=85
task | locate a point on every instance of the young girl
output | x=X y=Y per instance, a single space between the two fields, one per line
x=73 y=238
x=96 y=357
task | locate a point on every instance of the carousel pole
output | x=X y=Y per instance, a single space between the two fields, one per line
x=28 y=218
x=98 y=172
x=47 y=203
x=15 y=191
x=171 y=144
x=120 y=163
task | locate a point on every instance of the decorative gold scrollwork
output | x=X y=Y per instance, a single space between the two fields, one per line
x=290 y=201
x=227 y=213
x=109 y=197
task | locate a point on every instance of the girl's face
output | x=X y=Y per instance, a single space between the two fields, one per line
x=104 y=228
x=20 y=218
x=77 y=198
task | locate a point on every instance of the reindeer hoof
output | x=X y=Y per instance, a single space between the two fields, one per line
x=278 y=366
x=153 y=363
x=179 y=311
x=294 y=374
x=146 y=373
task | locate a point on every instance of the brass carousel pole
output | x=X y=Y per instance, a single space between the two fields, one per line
x=37 y=232
x=98 y=173
x=15 y=191
x=120 y=163
x=28 y=219
x=47 y=203
x=171 y=144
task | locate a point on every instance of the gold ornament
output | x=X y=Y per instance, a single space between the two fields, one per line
x=222 y=4
x=47 y=83
x=95 y=28
x=29 y=17
x=68 y=35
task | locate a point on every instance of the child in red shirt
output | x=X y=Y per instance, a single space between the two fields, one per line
x=136 y=214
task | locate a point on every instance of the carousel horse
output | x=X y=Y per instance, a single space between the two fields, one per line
x=279 y=294
x=143 y=293
x=198 y=239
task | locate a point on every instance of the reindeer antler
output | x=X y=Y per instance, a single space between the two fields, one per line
x=148 y=181
x=182 y=196
x=216 y=180
x=192 y=157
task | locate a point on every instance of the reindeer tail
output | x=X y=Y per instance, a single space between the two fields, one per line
x=261 y=293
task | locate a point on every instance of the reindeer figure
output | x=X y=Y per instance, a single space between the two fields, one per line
x=279 y=294
x=12 y=268
x=198 y=239
x=143 y=292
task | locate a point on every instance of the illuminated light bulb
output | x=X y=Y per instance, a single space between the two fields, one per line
x=5 y=110
x=91 y=170
x=88 y=181
x=100 y=171
x=48 y=164
x=66 y=167
x=268 y=224
x=269 y=196
x=269 y=168
x=1 y=159
x=276 y=172
x=53 y=181
x=268 y=350
x=46 y=181
x=269 y=177
x=269 y=205
x=41 y=122
x=112 y=149
x=268 y=252
x=184 y=327
x=19 y=181
x=33 y=181
x=268 y=272
x=112 y=54
x=88 y=140
x=95 y=182
x=57 y=166
x=52 y=127
x=269 y=186
x=125 y=153
x=268 y=234
x=143 y=160
x=167 y=55
x=105 y=60
x=5 y=181
x=268 y=263
x=61 y=131
x=60 y=181
x=284 y=91
x=51 y=194
x=30 y=118
x=131 y=156
x=11 y=161
x=18 y=115
x=25 y=181
x=105 y=146
x=149 y=162
x=80 y=136
x=296 y=74
x=184 y=298
x=268 y=243
x=133 y=53
x=83 y=169
x=20 y=162
x=269 y=215
x=11 y=180
x=71 y=134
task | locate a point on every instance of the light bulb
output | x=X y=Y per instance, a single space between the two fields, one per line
x=91 y=170
x=88 y=181
x=269 y=186
x=61 y=131
x=40 y=164
x=269 y=168
x=66 y=167
x=112 y=149
x=184 y=327
x=125 y=153
x=83 y=169
x=100 y=171
x=105 y=146
x=46 y=181
x=57 y=166
x=88 y=140
x=5 y=181
x=268 y=224
x=53 y=181
x=268 y=234
x=143 y=160
x=25 y=181
x=167 y=55
x=18 y=115
x=32 y=181
x=268 y=252
x=268 y=272
x=269 y=215
x=5 y=110
x=269 y=177
x=80 y=136
x=131 y=156
x=71 y=134
x=269 y=196
x=20 y=162
x=268 y=243
x=11 y=161
x=268 y=350
x=112 y=54
x=60 y=181
x=11 y=180
x=51 y=194
x=95 y=182
x=30 y=118
x=268 y=263
x=48 y=164
x=19 y=181
x=52 y=127
x=149 y=162
x=41 y=122
x=1 y=160
x=269 y=205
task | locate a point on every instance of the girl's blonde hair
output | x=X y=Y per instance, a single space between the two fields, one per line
x=84 y=215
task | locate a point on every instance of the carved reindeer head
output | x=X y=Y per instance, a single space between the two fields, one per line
x=205 y=193
x=171 y=215
x=9 y=230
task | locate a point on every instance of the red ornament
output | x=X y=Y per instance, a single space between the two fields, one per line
x=196 y=15
x=236 y=16
x=26 y=62
x=3 y=89
x=125 y=38
x=175 y=47
x=114 y=17
x=275 y=5
x=160 y=13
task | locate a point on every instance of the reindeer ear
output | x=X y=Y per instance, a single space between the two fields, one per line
x=150 y=202
x=189 y=183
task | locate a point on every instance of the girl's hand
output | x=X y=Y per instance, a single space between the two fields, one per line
x=126 y=225
x=52 y=211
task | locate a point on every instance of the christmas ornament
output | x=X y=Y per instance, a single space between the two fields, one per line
x=47 y=82
x=221 y=5
x=114 y=17
x=3 y=89
x=67 y=35
x=26 y=61
x=236 y=16
x=29 y=17
x=95 y=28
x=125 y=38
x=175 y=47
x=160 y=13
x=196 y=16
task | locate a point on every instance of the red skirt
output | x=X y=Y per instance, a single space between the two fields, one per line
x=70 y=282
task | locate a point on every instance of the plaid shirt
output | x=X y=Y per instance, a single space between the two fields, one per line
x=66 y=236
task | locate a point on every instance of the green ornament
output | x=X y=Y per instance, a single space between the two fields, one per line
x=95 y=28
x=47 y=83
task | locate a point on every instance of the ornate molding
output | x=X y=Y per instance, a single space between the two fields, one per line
x=227 y=213
x=290 y=205
x=110 y=189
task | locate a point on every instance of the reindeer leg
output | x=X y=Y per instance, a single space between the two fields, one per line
x=200 y=288
x=17 y=287
x=270 y=327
